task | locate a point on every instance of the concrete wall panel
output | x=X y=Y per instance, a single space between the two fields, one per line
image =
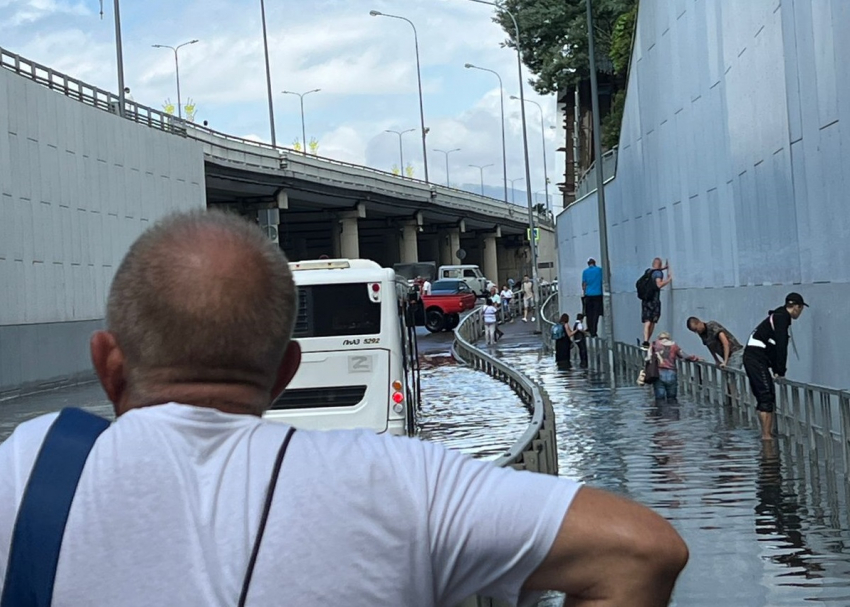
x=72 y=198
x=731 y=164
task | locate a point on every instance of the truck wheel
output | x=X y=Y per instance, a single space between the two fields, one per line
x=435 y=320
x=452 y=321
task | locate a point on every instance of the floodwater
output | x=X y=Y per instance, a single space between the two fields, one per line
x=468 y=410
x=767 y=525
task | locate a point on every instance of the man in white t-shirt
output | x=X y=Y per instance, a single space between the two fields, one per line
x=426 y=287
x=166 y=512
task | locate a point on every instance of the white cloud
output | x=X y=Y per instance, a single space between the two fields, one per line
x=364 y=65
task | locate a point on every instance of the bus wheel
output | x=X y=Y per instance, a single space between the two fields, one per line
x=435 y=320
x=452 y=321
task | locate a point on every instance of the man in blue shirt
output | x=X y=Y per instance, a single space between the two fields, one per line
x=591 y=288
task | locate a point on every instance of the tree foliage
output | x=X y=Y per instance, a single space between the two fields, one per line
x=554 y=37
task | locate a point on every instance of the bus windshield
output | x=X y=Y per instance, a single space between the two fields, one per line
x=336 y=310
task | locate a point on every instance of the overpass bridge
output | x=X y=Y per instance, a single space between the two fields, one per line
x=320 y=206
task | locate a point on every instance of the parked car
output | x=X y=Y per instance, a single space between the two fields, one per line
x=441 y=309
x=470 y=274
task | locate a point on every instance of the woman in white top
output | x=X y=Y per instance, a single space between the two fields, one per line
x=490 y=322
x=506 y=296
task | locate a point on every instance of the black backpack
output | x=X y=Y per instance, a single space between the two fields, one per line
x=646 y=286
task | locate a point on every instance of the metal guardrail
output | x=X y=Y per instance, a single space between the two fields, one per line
x=587 y=182
x=814 y=417
x=536 y=450
x=249 y=151
x=549 y=313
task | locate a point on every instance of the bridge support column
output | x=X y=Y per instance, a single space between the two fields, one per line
x=491 y=256
x=410 y=242
x=348 y=234
x=450 y=244
x=269 y=222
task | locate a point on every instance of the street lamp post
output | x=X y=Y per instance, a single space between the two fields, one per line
x=174 y=49
x=481 y=170
x=447 y=152
x=268 y=72
x=607 y=318
x=543 y=137
x=303 y=125
x=531 y=243
x=419 y=80
x=400 y=145
x=502 y=105
x=513 y=191
x=119 y=52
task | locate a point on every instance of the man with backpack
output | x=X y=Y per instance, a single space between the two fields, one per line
x=649 y=292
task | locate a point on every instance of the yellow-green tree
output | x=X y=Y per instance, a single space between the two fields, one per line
x=314 y=146
x=408 y=170
x=395 y=170
x=296 y=145
x=168 y=107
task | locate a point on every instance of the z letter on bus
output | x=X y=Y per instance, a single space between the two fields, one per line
x=359 y=364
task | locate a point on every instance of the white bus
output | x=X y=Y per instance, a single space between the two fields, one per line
x=360 y=366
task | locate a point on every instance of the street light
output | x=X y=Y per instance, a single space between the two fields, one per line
x=400 y=146
x=303 y=127
x=119 y=52
x=543 y=137
x=419 y=80
x=608 y=318
x=447 y=152
x=513 y=191
x=174 y=49
x=268 y=72
x=532 y=245
x=481 y=170
x=502 y=104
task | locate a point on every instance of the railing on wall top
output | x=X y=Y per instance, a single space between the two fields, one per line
x=587 y=182
x=814 y=417
x=153 y=118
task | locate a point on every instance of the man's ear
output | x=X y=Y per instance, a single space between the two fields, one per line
x=110 y=365
x=287 y=369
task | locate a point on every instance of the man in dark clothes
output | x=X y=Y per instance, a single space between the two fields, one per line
x=767 y=349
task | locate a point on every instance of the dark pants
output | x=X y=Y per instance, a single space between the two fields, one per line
x=593 y=309
x=581 y=344
x=757 y=366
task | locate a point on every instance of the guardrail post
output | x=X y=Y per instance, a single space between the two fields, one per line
x=844 y=413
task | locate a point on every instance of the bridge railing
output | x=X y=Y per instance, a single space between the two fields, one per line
x=814 y=417
x=221 y=145
x=536 y=450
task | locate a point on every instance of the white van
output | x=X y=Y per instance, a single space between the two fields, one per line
x=470 y=274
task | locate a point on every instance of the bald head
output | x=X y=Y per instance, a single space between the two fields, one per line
x=202 y=297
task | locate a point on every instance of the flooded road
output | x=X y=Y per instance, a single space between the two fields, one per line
x=468 y=410
x=766 y=525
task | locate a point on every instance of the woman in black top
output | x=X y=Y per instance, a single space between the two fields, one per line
x=565 y=343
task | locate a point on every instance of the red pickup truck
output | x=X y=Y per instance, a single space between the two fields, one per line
x=442 y=308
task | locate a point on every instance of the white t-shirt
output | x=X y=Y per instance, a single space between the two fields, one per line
x=168 y=505
x=507 y=294
x=426 y=288
x=489 y=315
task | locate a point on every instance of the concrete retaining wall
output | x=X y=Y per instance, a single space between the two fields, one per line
x=732 y=165
x=77 y=186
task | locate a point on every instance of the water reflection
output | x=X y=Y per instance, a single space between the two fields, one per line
x=767 y=524
x=468 y=411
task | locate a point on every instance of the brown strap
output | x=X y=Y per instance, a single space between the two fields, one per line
x=265 y=517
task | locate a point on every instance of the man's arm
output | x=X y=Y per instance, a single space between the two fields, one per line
x=727 y=347
x=610 y=552
x=664 y=282
x=781 y=322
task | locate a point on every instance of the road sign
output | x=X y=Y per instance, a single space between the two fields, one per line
x=461 y=254
x=536 y=234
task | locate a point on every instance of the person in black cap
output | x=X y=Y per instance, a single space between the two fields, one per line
x=767 y=349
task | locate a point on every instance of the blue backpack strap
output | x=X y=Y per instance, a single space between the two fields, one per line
x=43 y=512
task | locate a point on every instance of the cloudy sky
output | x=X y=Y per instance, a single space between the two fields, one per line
x=364 y=65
